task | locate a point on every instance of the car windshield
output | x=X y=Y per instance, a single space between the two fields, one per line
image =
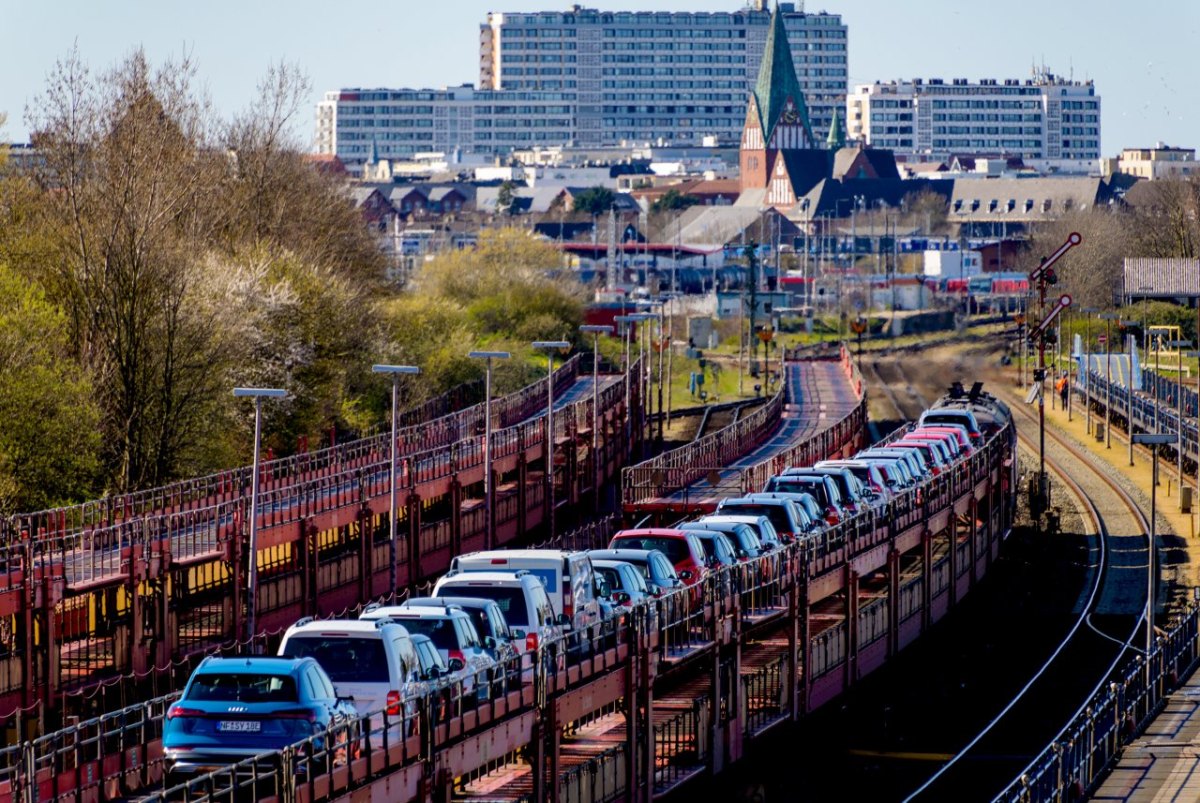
x=676 y=549
x=440 y=631
x=243 y=687
x=511 y=600
x=794 y=484
x=345 y=660
x=777 y=514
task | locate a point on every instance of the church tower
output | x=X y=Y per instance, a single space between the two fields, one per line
x=776 y=115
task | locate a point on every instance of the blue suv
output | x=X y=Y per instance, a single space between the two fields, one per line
x=236 y=708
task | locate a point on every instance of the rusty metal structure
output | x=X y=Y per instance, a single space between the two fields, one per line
x=629 y=710
x=115 y=600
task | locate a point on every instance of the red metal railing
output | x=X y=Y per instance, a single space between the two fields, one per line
x=201 y=492
x=673 y=472
x=121 y=753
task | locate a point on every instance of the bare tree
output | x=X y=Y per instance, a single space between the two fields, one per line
x=130 y=166
x=1090 y=272
x=1168 y=215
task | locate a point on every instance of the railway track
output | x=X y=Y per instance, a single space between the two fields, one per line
x=1086 y=655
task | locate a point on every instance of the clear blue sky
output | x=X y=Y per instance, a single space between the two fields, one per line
x=1142 y=55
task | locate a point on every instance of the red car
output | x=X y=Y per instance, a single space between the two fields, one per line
x=681 y=547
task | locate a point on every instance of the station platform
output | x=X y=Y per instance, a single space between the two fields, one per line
x=1164 y=763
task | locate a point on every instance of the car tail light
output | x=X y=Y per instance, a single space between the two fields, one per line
x=531 y=642
x=568 y=603
x=295 y=713
x=831 y=516
x=393 y=703
x=180 y=711
x=499 y=561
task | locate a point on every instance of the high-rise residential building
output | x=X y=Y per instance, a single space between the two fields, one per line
x=594 y=78
x=647 y=75
x=362 y=125
x=1043 y=118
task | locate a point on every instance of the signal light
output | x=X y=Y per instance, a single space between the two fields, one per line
x=1051 y=276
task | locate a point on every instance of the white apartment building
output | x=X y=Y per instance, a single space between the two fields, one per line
x=1044 y=118
x=670 y=76
x=397 y=124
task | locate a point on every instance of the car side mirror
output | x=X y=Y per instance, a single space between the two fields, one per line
x=563 y=619
x=621 y=597
x=456 y=664
x=489 y=643
x=346 y=699
x=685 y=575
x=433 y=673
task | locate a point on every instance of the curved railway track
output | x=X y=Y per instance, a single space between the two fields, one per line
x=1083 y=658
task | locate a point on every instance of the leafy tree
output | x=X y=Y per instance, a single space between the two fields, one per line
x=49 y=443
x=189 y=255
x=673 y=200
x=504 y=198
x=595 y=201
x=506 y=292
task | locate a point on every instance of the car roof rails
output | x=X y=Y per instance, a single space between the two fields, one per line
x=976 y=391
x=372 y=606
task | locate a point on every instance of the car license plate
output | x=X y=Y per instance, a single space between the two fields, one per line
x=239 y=726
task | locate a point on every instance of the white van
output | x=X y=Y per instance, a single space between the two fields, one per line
x=373 y=662
x=522 y=599
x=568 y=577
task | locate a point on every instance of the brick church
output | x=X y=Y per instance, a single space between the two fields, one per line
x=781 y=161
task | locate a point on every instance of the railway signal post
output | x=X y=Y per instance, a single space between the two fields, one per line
x=1043 y=275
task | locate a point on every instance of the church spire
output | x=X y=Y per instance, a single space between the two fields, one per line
x=777 y=91
x=837 y=134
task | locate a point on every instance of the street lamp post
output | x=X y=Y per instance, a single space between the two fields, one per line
x=1108 y=318
x=258 y=394
x=663 y=340
x=395 y=371
x=1179 y=346
x=1087 y=362
x=626 y=322
x=1129 y=396
x=1152 y=440
x=550 y=346
x=1191 y=355
x=644 y=319
x=488 y=490
x=595 y=331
